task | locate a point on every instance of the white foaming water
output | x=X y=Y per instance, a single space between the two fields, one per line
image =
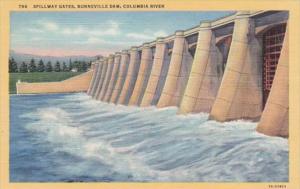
x=149 y=144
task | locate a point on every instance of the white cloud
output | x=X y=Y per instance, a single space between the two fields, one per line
x=49 y=26
x=36 y=39
x=79 y=30
x=92 y=34
x=97 y=40
x=111 y=28
x=34 y=30
x=139 y=36
x=160 y=33
x=147 y=35
x=43 y=26
x=94 y=40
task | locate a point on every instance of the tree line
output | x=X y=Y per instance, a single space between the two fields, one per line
x=32 y=66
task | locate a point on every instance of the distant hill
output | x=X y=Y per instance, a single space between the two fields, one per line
x=20 y=57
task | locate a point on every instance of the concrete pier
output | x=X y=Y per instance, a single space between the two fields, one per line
x=205 y=76
x=121 y=76
x=179 y=69
x=240 y=93
x=97 y=78
x=93 y=64
x=94 y=68
x=275 y=117
x=158 y=74
x=131 y=76
x=101 y=78
x=143 y=75
x=107 y=78
x=113 y=77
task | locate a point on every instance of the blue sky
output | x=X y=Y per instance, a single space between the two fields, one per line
x=93 y=33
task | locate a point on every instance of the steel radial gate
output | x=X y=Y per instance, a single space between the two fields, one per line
x=272 y=44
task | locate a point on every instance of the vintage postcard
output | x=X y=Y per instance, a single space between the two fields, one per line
x=150 y=94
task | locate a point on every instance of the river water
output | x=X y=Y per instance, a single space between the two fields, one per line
x=73 y=138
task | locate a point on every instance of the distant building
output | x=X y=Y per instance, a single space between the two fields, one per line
x=74 y=70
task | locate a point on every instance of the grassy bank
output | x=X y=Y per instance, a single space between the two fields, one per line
x=38 y=77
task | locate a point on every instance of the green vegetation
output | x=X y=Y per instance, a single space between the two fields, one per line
x=57 y=67
x=41 y=66
x=13 y=66
x=65 y=67
x=32 y=66
x=23 y=68
x=38 y=71
x=38 y=77
x=49 y=67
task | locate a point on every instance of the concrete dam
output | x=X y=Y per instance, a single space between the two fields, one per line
x=232 y=68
